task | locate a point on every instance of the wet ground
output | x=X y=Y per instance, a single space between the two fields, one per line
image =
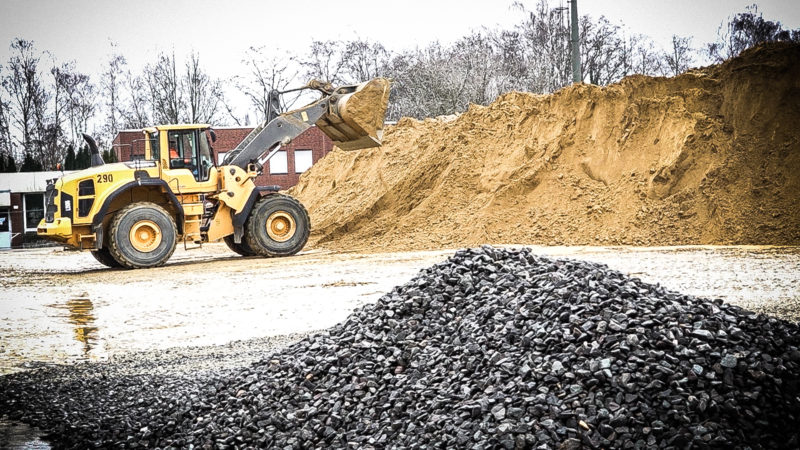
x=208 y=309
x=60 y=306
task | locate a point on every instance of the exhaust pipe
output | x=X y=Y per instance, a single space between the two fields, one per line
x=97 y=160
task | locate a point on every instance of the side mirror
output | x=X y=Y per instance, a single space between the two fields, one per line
x=213 y=135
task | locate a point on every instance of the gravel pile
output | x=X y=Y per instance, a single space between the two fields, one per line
x=492 y=348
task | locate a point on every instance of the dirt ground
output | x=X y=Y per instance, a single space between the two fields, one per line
x=60 y=306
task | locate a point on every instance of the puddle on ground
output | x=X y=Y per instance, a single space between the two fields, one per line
x=15 y=435
x=80 y=315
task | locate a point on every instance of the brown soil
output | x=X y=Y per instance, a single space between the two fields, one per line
x=709 y=157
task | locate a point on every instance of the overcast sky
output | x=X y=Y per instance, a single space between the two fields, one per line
x=82 y=30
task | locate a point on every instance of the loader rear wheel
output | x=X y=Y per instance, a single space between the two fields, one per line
x=103 y=256
x=242 y=248
x=142 y=235
x=278 y=226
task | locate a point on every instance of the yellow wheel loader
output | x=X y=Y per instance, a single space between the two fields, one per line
x=133 y=214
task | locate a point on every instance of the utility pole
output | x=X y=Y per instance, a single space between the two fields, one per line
x=577 y=75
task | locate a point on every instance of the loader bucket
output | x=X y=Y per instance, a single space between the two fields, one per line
x=355 y=120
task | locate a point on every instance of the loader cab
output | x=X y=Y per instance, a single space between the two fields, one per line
x=189 y=149
x=180 y=147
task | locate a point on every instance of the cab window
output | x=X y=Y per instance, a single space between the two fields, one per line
x=155 y=147
x=206 y=159
x=151 y=139
x=185 y=153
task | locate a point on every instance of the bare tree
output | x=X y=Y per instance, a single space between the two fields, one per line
x=423 y=86
x=232 y=115
x=627 y=53
x=745 y=30
x=6 y=142
x=509 y=49
x=203 y=94
x=268 y=73
x=363 y=60
x=637 y=54
x=111 y=82
x=479 y=66
x=545 y=39
x=24 y=86
x=82 y=104
x=680 y=55
x=50 y=133
x=163 y=94
x=441 y=80
x=165 y=88
x=61 y=75
x=326 y=61
x=138 y=106
x=646 y=59
x=444 y=78
x=402 y=90
x=73 y=96
x=603 y=52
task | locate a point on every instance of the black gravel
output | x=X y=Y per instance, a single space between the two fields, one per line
x=493 y=348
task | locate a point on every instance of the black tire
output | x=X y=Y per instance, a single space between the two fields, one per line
x=104 y=257
x=158 y=238
x=273 y=210
x=242 y=248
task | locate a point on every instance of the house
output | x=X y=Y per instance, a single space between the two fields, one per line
x=22 y=206
x=283 y=169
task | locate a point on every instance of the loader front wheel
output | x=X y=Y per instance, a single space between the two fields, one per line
x=278 y=226
x=142 y=235
x=103 y=256
x=241 y=249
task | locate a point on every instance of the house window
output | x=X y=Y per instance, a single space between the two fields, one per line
x=34 y=210
x=303 y=160
x=220 y=158
x=4 y=222
x=277 y=164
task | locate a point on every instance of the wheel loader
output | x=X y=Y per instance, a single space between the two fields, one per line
x=133 y=214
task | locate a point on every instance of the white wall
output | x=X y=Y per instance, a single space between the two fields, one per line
x=28 y=181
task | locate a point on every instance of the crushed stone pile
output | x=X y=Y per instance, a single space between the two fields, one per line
x=708 y=157
x=493 y=348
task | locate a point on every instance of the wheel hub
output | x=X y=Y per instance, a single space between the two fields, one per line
x=145 y=236
x=281 y=226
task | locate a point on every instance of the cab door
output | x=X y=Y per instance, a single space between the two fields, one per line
x=190 y=166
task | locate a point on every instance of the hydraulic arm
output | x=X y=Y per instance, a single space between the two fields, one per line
x=352 y=116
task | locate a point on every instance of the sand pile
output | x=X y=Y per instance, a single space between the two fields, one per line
x=709 y=157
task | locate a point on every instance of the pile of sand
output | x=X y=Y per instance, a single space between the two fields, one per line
x=709 y=157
